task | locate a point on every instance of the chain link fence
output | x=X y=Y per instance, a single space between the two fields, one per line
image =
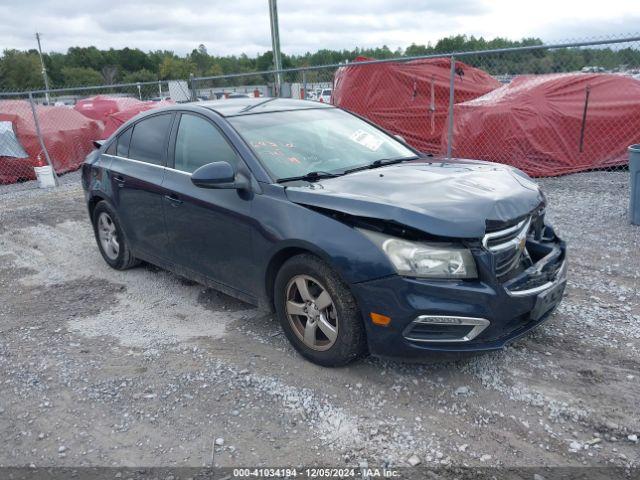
x=44 y=134
x=546 y=109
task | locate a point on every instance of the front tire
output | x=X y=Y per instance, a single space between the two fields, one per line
x=318 y=312
x=110 y=238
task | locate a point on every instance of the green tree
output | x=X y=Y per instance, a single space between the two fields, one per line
x=142 y=75
x=414 y=50
x=201 y=59
x=173 y=68
x=77 y=76
x=85 y=57
x=133 y=59
x=20 y=70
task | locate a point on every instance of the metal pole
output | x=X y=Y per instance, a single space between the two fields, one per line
x=192 y=84
x=304 y=84
x=275 y=43
x=160 y=89
x=44 y=70
x=451 y=99
x=584 y=117
x=139 y=92
x=40 y=139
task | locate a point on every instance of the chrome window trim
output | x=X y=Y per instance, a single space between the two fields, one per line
x=479 y=325
x=146 y=163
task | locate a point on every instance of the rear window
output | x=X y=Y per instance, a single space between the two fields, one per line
x=149 y=139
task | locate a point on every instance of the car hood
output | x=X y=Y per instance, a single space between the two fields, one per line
x=449 y=198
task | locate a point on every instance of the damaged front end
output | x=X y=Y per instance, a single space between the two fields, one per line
x=526 y=255
x=520 y=279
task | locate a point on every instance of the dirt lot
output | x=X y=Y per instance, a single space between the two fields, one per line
x=99 y=367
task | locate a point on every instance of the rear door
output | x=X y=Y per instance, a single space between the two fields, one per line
x=209 y=229
x=137 y=174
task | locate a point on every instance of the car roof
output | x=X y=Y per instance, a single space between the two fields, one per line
x=246 y=106
x=231 y=107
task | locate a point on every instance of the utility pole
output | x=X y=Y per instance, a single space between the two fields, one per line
x=44 y=70
x=275 y=43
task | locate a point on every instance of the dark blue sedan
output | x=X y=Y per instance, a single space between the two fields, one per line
x=356 y=240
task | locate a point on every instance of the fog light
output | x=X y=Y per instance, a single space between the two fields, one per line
x=442 y=320
x=379 y=319
x=444 y=328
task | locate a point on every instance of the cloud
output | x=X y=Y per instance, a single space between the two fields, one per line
x=242 y=26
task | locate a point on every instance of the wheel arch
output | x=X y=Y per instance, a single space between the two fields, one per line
x=94 y=199
x=97 y=197
x=285 y=253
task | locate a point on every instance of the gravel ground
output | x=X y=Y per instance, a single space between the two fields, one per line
x=107 y=368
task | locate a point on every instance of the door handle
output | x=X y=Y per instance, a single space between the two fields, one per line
x=175 y=201
x=119 y=180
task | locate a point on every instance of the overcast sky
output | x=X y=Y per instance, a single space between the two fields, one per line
x=242 y=26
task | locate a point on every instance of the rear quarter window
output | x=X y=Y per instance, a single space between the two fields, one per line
x=149 y=139
x=122 y=148
x=111 y=149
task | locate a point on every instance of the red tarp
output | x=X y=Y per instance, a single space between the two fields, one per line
x=113 y=121
x=101 y=106
x=535 y=123
x=68 y=137
x=409 y=98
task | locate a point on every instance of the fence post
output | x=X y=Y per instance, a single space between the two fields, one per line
x=304 y=84
x=451 y=100
x=41 y=139
x=192 y=84
x=276 y=85
x=160 y=89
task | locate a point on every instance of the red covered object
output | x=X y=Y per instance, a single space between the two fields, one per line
x=67 y=134
x=538 y=123
x=101 y=106
x=113 y=121
x=408 y=98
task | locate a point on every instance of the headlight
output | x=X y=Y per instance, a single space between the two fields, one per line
x=429 y=260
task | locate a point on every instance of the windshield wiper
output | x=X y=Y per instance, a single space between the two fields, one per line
x=379 y=163
x=310 y=176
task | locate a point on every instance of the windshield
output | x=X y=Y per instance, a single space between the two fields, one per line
x=328 y=140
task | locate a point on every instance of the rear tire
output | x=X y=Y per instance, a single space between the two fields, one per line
x=318 y=312
x=110 y=237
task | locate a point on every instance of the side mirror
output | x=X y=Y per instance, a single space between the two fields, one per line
x=219 y=175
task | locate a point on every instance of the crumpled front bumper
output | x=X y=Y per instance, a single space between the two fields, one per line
x=510 y=309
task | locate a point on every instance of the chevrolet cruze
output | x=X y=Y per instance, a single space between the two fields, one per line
x=357 y=241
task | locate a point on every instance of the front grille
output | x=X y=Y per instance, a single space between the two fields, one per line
x=507 y=245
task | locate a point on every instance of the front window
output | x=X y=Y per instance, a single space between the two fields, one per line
x=198 y=142
x=326 y=140
x=148 y=139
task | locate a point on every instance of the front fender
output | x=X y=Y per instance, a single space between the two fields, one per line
x=354 y=257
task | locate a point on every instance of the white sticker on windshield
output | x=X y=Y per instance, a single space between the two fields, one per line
x=366 y=140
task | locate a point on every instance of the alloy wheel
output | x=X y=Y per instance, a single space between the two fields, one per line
x=108 y=235
x=311 y=312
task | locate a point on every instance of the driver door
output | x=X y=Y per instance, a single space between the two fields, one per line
x=209 y=230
